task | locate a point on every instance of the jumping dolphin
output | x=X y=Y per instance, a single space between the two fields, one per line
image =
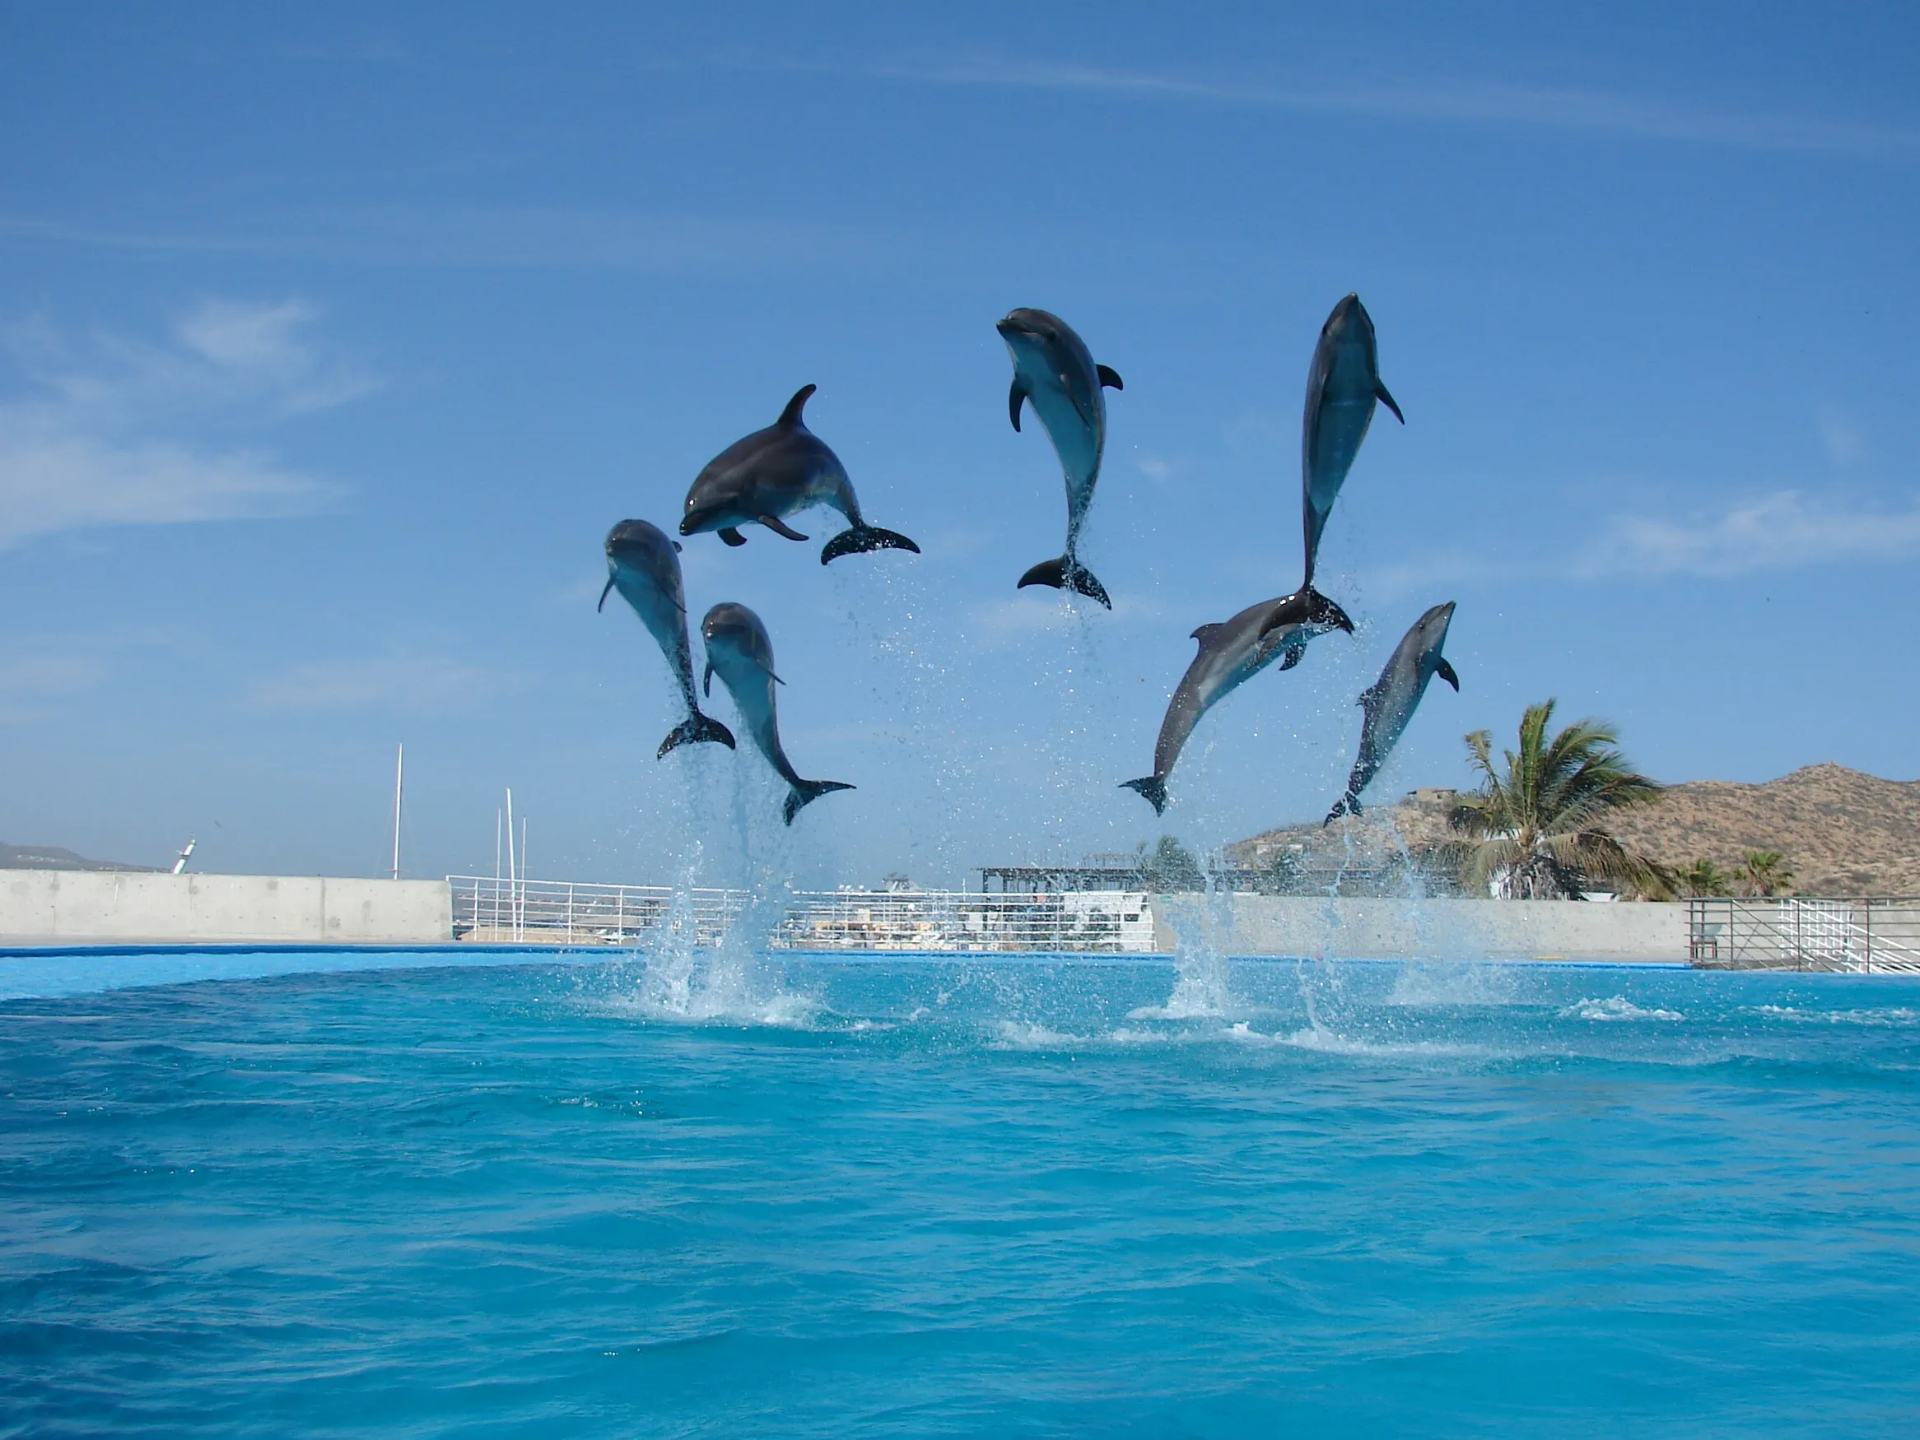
x=1231 y=654
x=645 y=566
x=739 y=648
x=1054 y=372
x=777 y=472
x=1391 y=700
x=1342 y=385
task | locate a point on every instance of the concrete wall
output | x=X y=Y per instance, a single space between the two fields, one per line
x=1423 y=929
x=41 y=907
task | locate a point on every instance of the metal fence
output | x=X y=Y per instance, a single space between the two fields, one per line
x=558 y=912
x=1869 y=937
x=561 y=912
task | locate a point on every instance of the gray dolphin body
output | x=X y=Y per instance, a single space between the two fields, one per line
x=1054 y=372
x=740 y=649
x=1343 y=383
x=777 y=472
x=1391 y=700
x=1231 y=654
x=644 y=565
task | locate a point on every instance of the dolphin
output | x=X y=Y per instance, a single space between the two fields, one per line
x=645 y=566
x=739 y=648
x=777 y=472
x=1231 y=654
x=1054 y=372
x=1342 y=385
x=1390 y=701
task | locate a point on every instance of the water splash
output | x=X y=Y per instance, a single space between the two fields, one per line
x=1202 y=986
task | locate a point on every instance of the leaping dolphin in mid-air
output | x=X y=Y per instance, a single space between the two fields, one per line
x=1391 y=700
x=739 y=648
x=1342 y=385
x=645 y=566
x=1054 y=372
x=777 y=472
x=1231 y=654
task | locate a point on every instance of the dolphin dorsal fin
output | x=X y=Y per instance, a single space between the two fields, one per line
x=790 y=417
x=1109 y=377
x=1205 y=633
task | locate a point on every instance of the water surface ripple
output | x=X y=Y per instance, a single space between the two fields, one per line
x=935 y=1198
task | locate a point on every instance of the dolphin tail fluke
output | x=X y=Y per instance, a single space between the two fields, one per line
x=1066 y=574
x=858 y=539
x=695 y=728
x=1348 y=804
x=1152 y=788
x=808 y=791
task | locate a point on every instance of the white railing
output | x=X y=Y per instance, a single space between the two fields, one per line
x=1867 y=937
x=558 y=912
x=564 y=912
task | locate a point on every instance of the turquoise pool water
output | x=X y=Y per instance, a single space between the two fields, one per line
x=916 y=1198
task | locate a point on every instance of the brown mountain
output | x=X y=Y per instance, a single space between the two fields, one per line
x=52 y=857
x=1843 y=832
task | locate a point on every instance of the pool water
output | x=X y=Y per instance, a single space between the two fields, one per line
x=919 y=1197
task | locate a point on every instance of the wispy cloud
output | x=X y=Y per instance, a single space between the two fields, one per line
x=1844 y=436
x=508 y=236
x=1783 y=530
x=1482 y=102
x=1773 y=532
x=98 y=438
x=411 y=684
x=44 y=676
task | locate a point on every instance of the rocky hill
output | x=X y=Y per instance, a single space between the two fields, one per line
x=1843 y=832
x=52 y=857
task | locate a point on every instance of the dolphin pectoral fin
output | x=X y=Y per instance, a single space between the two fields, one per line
x=790 y=416
x=1014 y=397
x=808 y=791
x=1445 y=672
x=1066 y=574
x=1380 y=394
x=1151 y=788
x=706 y=681
x=858 y=539
x=733 y=537
x=1108 y=377
x=779 y=527
x=1292 y=653
x=676 y=550
x=695 y=728
x=604 y=593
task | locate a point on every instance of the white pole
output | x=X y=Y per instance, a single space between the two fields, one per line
x=523 y=879
x=513 y=889
x=496 y=874
x=399 y=782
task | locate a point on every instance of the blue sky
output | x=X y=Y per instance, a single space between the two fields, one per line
x=331 y=345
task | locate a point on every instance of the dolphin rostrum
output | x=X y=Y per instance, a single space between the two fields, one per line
x=777 y=472
x=739 y=648
x=1231 y=654
x=1054 y=372
x=644 y=565
x=1342 y=385
x=1390 y=701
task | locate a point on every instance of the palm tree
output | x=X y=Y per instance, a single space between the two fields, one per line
x=1538 y=821
x=1703 y=879
x=1764 y=873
